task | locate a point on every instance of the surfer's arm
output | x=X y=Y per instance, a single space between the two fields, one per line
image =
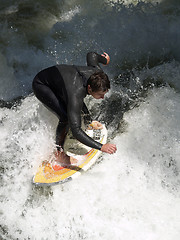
x=86 y=114
x=93 y=59
x=74 y=117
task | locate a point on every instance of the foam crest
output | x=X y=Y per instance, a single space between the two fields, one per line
x=130 y=195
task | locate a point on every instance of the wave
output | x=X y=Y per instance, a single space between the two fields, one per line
x=135 y=189
x=32 y=38
x=131 y=195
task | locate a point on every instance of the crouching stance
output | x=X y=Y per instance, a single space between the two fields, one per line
x=62 y=89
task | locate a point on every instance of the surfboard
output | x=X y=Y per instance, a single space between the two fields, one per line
x=49 y=174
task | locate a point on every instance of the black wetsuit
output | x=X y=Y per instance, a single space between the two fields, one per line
x=62 y=89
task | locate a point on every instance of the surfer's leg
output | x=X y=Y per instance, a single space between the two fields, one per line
x=49 y=99
x=54 y=104
x=61 y=132
x=61 y=157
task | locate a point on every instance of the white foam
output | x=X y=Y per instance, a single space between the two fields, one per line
x=128 y=2
x=130 y=195
x=67 y=16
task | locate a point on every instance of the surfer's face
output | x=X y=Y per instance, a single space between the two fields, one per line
x=97 y=95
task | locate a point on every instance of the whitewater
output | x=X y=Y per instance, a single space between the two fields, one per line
x=133 y=194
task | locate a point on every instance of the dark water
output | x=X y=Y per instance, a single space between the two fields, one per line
x=133 y=194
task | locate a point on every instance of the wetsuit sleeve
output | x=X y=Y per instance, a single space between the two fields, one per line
x=86 y=116
x=74 y=117
x=93 y=59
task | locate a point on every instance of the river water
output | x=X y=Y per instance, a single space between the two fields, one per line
x=133 y=194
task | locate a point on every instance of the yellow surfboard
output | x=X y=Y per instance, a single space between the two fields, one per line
x=47 y=174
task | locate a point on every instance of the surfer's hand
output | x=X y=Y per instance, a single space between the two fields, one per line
x=109 y=148
x=96 y=125
x=107 y=57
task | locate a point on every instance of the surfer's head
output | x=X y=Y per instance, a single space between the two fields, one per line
x=98 y=85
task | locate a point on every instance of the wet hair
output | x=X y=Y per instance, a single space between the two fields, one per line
x=99 y=81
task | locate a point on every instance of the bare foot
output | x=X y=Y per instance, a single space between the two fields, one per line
x=64 y=160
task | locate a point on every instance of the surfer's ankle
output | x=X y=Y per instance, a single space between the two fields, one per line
x=59 y=149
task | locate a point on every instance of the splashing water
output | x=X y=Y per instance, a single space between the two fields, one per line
x=133 y=194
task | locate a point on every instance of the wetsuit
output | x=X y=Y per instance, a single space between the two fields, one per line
x=62 y=89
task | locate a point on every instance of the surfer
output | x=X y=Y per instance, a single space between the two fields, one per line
x=62 y=89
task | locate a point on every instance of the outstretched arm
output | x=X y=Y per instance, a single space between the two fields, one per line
x=79 y=134
x=93 y=59
x=74 y=117
x=87 y=116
